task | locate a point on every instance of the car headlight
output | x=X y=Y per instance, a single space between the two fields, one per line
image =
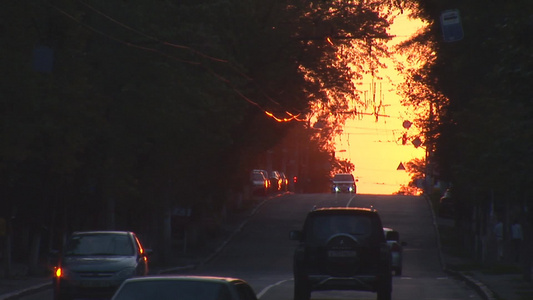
x=126 y=273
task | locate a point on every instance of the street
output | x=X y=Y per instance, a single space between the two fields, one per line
x=262 y=253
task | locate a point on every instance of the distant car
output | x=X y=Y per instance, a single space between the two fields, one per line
x=343 y=183
x=265 y=174
x=284 y=181
x=342 y=248
x=184 y=288
x=275 y=181
x=446 y=205
x=260 y=183
x=95 y=263
x=396 y=247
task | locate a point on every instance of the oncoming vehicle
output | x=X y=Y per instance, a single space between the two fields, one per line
x=184 y=288
x=343 y=183
x=342 y=248
x=95 y=263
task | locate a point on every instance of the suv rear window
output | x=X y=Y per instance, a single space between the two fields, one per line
x=323 y=227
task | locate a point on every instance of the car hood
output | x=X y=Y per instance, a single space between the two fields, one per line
x=102 y=263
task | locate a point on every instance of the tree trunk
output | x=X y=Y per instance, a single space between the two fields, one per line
x=34 y=252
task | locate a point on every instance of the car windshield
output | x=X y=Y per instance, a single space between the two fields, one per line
x=343 y=177
x=173 y=290
x=323 y=227
x=100 y=244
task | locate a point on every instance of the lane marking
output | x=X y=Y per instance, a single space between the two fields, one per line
x=350 y=201
x=271 y=286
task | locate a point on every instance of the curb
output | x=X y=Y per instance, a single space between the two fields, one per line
x=480 y=288
x=26 y=291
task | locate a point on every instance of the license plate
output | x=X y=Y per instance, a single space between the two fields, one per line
x=342 y=253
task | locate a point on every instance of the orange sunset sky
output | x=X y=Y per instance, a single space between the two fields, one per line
x=375 y=147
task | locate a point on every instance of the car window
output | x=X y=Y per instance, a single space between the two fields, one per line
x=343 y=177
x=100 y=244
x=173 y=290
x=323 y=227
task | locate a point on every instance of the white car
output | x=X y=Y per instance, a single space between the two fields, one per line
x=174 y=287
x=393 y=240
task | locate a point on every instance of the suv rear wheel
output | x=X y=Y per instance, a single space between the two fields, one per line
x=385 y=290
x=384 y=294
x=301 y=289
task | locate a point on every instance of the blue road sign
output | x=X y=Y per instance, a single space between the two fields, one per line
x=450 y=22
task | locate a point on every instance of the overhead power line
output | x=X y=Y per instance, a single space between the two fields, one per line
x=291 y=116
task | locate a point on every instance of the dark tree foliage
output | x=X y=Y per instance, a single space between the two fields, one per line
x=134 y=106
x=480 y=127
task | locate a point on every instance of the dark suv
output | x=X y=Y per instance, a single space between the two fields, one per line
x=342 y=248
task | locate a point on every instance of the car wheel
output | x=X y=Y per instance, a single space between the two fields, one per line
x=385 y=289
x=384 y=294
x=301 y=290
x=62 y=296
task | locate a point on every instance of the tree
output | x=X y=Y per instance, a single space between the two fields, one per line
x=480 y=96
x=144 y=100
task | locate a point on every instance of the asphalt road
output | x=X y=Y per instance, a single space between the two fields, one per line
x=262 y=252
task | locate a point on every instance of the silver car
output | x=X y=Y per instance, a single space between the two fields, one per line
x=95 y=263
x=396 y=248
x=174 y=287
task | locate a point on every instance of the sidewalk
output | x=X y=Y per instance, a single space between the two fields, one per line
x=491 y=286
x=23 y=284
x=503 y=281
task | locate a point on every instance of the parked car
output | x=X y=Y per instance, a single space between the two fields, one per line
x=265 y=174
x=446 y=205
x=275 y=181
x=184 y=288
x=396 y=247
x=284 y=181
x=260 y=183
x=342 y=248
x=95 y=263
x=343 y=183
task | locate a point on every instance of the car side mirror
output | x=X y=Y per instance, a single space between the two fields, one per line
x=295 y=235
